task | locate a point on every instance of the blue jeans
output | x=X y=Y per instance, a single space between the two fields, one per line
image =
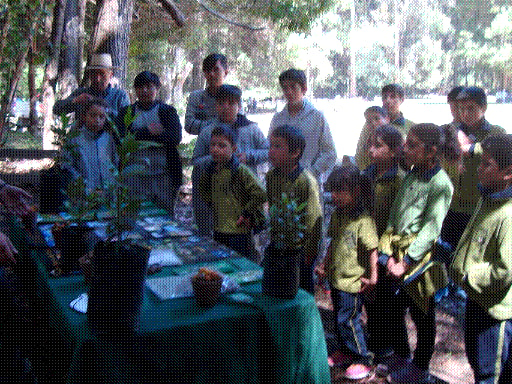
x=488 y=339
x=348 y=309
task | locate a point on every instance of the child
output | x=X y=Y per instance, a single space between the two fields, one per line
x=234 y=193
x=474 y=128
x=482 y=266
x=413 y=227
x=351 y=262
x=375 y=117
x=152 y=120
x=320 y=153
x=454 y=103
x=392 y=98
x=288 y=176
x=94 y=156
x=251 y=146
x=386 y=176
x=201 y=104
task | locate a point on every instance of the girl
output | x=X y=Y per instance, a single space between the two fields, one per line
x=405 y=250
x=351 y=263
x=385 y=151
x=150 y=119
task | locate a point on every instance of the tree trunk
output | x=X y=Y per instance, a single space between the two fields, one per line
x=32 y=127
x=112 y=33
x=175 y=74
x=6 y=24
x=51 y=72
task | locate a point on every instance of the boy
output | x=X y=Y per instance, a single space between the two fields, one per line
x=201 y=104
x=288 y=176
x=95 y=155
x=473 y=129
x=320 y=153
x=251 y=146
x=375 y=117
x=483 y=266
x=392 y=98
x=234 y=193
x=454 y=103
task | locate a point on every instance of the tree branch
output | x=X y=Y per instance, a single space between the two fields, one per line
x=170 y=7
x=221 y=16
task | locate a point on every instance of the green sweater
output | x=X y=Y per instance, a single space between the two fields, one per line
x=466 y=194
x=483 y=260
x=352 y=240
x=300 y=186
x=419 y=209
x=232 y=192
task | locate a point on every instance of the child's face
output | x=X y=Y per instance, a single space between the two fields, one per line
x=415 y=152
x=375 y=120
x=471 y=113
x=215 y=76
x=490 y=175
x=95 y=118
x=343 y=198
x=454 y=109
x=279 y=154
x=146 y=93
x=227 y=110
x=391 y=102
x=221 y=149
x=380 y=151
x=292 y=91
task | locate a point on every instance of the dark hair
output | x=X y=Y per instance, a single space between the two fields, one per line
x=210 y=61
x=348 y=178
x=499 y=147
x=443 y=138
x=85 y=106
x=391 y=137
x=475 y=94
x=452 y=95
x=227 y=91
x=224 y=130
x=295 y=75
x=146 y=77
x=375 y=108
x=393 y=88
x=293 y=137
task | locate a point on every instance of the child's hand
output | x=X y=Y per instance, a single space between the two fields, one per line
x=398 y=269
x=244 y=222
x=367 y=285
x=155 y=129
x=320 y=271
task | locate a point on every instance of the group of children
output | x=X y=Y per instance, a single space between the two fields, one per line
x=415 y=191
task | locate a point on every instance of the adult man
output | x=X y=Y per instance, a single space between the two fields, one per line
x=99 y=71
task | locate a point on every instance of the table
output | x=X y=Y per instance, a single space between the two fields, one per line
x=269 y=340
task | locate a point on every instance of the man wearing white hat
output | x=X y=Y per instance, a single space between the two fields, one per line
x=100 y=73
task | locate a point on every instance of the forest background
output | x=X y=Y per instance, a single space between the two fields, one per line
x=348 y=48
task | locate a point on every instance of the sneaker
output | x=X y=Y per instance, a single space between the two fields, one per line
x=338 y=359
x=357 y=371
x=390 y=364
x=408 y=374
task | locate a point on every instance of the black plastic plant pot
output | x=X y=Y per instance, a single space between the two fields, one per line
x=73 y=244
x=281 y=272
x=117 y=287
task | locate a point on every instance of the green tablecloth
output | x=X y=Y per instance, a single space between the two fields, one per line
x=269 y=340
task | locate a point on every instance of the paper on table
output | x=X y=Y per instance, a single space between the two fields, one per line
x=164 y=256
x=172 y=287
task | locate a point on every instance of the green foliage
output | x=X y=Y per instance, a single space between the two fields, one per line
x=286 y=219
x=82 y=204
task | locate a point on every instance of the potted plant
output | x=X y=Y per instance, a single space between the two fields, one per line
x=53 y=181
x=116 y=289
x=283 y=254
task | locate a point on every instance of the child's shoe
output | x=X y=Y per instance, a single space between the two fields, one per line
x=339 y=358
x=408 y=374
x=357 y=371
x=390 y=364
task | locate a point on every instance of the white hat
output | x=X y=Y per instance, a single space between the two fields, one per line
x=100 y=61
